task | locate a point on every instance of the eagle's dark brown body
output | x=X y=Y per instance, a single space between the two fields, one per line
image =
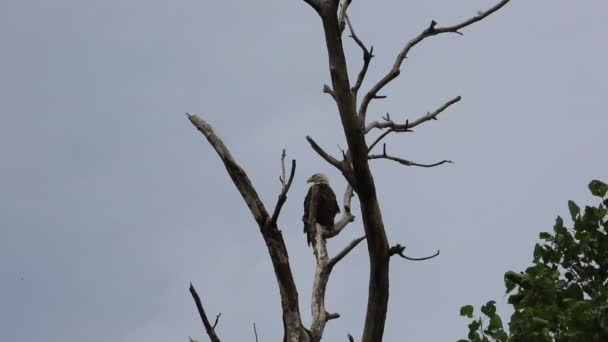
x=325 y=207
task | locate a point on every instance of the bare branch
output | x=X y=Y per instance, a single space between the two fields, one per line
x=328 y=158
x=282 y=176
x=217 y=319
x=367 y=57
x=201 y=311
x=433 y=115
x=273 y=238
x=331 y=316
x=283 y=195
x=238 y=175
x=406 y=127
x=342 y=15
x=350 y=338
x=382 y=136
x=345 y=251
x=405 y=162
x=432 y=30
x=328 y=90
x=398 y=250
x=255 y=331
x=347 y=216
x=478 y=17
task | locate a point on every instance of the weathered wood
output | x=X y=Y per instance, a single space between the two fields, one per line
x=294 y=330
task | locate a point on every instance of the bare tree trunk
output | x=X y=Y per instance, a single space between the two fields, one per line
x=377 y=242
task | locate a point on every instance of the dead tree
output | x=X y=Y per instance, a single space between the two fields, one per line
x=354 y=166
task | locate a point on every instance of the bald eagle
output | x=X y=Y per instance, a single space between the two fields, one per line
x=324 y=205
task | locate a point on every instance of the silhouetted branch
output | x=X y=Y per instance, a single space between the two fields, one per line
x=380 y=137
x=407 y=126
x=285 y=188
x=333 y=261
x=433 y=115
x=367 y=57
x=350 y=338
x=432 y=30
x=255 y=331
x=201 y=311
x=405 y=162
x=217 y=319
x=273 y=238
x=333 y=161
x=398 y=250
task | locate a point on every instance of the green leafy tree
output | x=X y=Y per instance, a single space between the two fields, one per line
x=563 y=296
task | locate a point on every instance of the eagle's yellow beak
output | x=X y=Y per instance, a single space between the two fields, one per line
x=309 y=180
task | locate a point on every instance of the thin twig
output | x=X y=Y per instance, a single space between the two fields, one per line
x=405 y=162
x=407 y=126
x=433 y=115
x=345 y=251
x=255 y=331
x=201 y=312
x=217 y=318
x=379 y=138
x=367 y=57
x=432 y=30
x=285 y=188
x=333 y=161
x=350 y=338
x=282 y=177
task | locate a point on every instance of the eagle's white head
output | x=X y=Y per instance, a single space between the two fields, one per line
x=318 y=178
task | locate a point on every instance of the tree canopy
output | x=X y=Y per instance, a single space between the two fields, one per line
x=563 y=295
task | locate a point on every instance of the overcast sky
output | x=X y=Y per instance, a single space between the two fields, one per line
x=111 y=202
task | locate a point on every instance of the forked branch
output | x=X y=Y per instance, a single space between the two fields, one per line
x=285 y=185
x=432 y=30
x=367 y=57
x=201 y=311
x=273 y=238
x=405 y=127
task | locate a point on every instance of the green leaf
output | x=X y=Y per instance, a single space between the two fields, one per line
x=473 y=334
x=598 y=188
x=559 y=224
x=467 y=311
x=495 y=323
x=544 y=236
x=538 y=252
x=489 y=309
x=574 y=210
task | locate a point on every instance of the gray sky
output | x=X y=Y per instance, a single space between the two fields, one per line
x=111 y=203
